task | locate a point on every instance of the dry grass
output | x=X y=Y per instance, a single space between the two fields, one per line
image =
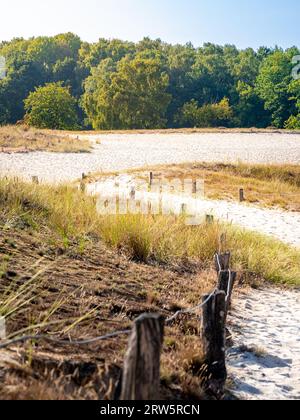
x=59 y=277
x=267 y=185
x=166 y=240
x=22 y=139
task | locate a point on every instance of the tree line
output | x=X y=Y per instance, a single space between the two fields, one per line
x=63 y=82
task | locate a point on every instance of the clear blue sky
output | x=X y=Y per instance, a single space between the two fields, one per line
x=241 y=22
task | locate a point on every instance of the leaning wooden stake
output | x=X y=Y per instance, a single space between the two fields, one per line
x=213 y=338
x=141 y=376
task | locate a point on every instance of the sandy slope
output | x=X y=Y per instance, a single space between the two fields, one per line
x=267 y=324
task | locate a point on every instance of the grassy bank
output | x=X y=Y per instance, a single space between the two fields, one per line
x=72 y=219
x=22 y=139
x=267 y=185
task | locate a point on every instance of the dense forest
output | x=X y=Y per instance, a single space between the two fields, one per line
x=62 y=82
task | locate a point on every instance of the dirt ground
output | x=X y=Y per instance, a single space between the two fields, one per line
x=114 y=291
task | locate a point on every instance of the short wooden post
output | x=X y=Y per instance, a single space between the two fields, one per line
x=226 y=283
x=242 y=195
x=83 y=176
x=183 y=210
x=209 y=219
x=132 y=193
x=151 y=177
x=141 y=376
x=222 y=261
x=82 y=186
x=194 y=187
x=213 y=338
x=35 y=180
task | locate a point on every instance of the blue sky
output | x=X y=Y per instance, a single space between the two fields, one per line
x=241 y=22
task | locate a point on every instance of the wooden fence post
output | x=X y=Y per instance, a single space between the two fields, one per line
x=242 y=195
x=222 y=261
x=209 y=219
x=151 y=177
x=184 y=209
x=194 y=187
x=82 y=187
x=226 y=283
x=141 y=375
x=35 y=180
x=214 y=342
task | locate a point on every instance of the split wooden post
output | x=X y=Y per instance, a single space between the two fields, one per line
x=222 y=261
x=214 y=343
x=141 y=376
x=241 y=195
x=226 y=283
x=35 y=180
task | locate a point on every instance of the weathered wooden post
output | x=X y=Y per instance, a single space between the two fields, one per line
x=226 y=283
x=241 y=195
x=35 y=180
x=83 y=176
x=82 y=187
x=213 y=338
x=141 y=375
x=132 y=193
x=209 y=219
x=151 y=178
x=194 y=187
x=222 y=261
x=184 y=209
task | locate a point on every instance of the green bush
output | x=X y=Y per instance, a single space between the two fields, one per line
x=210 y=115
x=53 y=107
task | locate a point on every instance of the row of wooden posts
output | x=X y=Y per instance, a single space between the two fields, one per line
x=35 y=180
x=141 y=372
x=151 y=180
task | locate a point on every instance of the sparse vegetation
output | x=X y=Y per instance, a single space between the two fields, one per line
x=72 y=216
x=22 y=139
x=269 y=185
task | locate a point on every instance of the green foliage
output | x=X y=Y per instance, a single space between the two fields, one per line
x=131 y=94
x=209 y=115
x=148 y=84
x=273 y=86
x=51 y=106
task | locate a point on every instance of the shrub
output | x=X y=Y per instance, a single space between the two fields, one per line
x=51 y=106
x=209 y=115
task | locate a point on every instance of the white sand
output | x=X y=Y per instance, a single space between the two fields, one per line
x=267 y=320
x=124 y=151
x=279 y=224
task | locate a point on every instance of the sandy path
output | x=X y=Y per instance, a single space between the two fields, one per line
x=267 y=321
x=280 y=224
x=124 y=151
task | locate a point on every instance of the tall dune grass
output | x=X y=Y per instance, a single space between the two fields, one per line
x=70 y=217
